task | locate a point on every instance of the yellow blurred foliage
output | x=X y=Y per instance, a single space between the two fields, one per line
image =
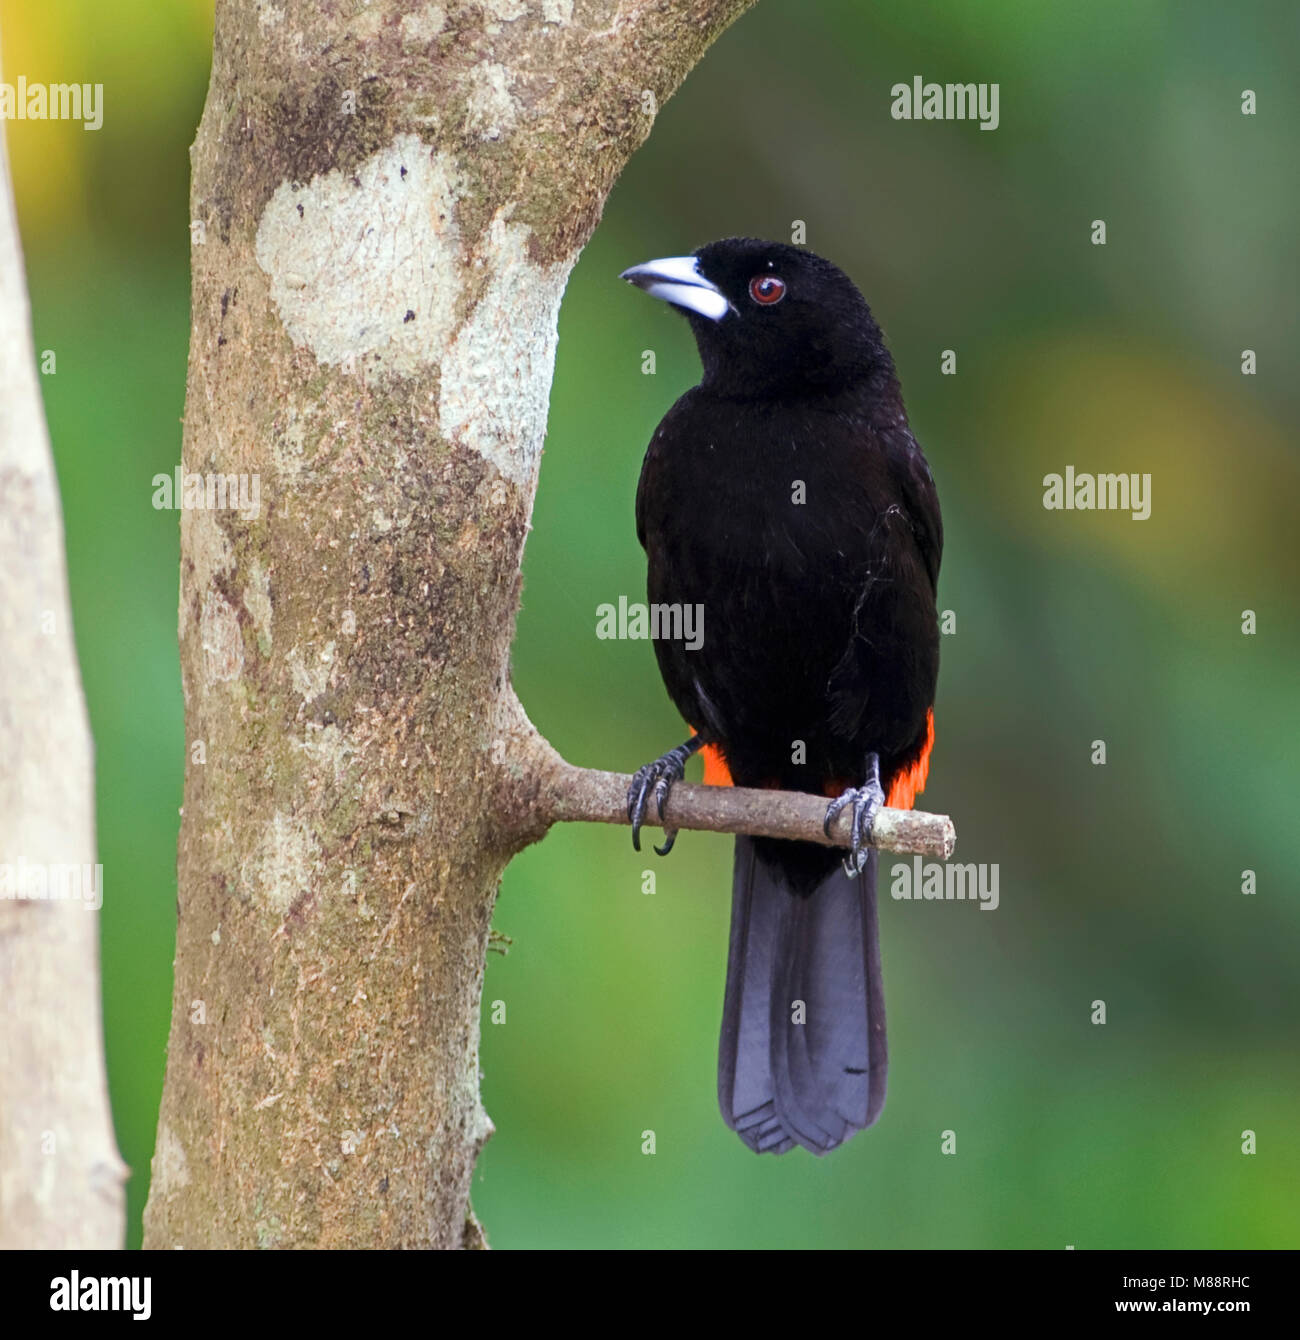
x=1224 y=485
x=122 y=46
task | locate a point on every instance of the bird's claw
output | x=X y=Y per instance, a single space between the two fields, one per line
x=657 y=778
x=867 y=801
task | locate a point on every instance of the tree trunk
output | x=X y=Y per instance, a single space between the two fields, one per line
x=60 y=1173
x=387 y=202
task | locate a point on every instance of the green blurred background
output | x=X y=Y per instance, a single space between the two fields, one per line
x=1120 y=883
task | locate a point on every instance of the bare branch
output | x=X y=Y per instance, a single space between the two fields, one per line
x=601 y=797
x=540 y=788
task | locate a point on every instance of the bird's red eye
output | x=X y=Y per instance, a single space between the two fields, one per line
x=766 y=289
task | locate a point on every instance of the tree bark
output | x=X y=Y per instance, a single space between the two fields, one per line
x=61 y=1178
x=386 y=204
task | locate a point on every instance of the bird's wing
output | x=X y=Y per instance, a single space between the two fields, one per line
x=920 y=501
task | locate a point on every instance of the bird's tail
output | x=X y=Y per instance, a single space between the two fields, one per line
x=802 y=1058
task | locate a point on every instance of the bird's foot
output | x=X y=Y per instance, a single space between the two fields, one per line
x=867 y=801
x=657 y=778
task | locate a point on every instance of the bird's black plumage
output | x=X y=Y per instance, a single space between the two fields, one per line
x=786 y=497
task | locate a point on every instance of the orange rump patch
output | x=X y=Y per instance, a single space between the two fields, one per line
x=716 y=772
x=903 y=790
x=909 y=783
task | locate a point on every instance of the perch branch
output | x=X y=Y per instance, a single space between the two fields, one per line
x=601 y=797
x=545 y=789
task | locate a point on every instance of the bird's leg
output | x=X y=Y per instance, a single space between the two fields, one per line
x=658 y=777
x=866 y=801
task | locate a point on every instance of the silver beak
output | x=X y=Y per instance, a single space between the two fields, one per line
x=677 y=280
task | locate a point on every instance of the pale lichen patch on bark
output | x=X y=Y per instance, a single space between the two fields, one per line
x=288 y=445
x=171 y=1171
x=423 y=25
x=503 y=11
x=367 y=265
x=329 y=749
x=366 y=25
x=207 y=547
x=223 y=643
x=490 y=111
x=496 y=377
x=557 y=11
x=257 y=601
x=284 y=866
x=309 y=670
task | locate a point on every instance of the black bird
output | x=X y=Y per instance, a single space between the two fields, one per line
x=786 y=498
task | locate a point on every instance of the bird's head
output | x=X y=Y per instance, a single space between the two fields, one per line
x=769 y=319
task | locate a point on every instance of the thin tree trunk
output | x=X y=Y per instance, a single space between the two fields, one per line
x=387 y=202
x=61 y=1177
